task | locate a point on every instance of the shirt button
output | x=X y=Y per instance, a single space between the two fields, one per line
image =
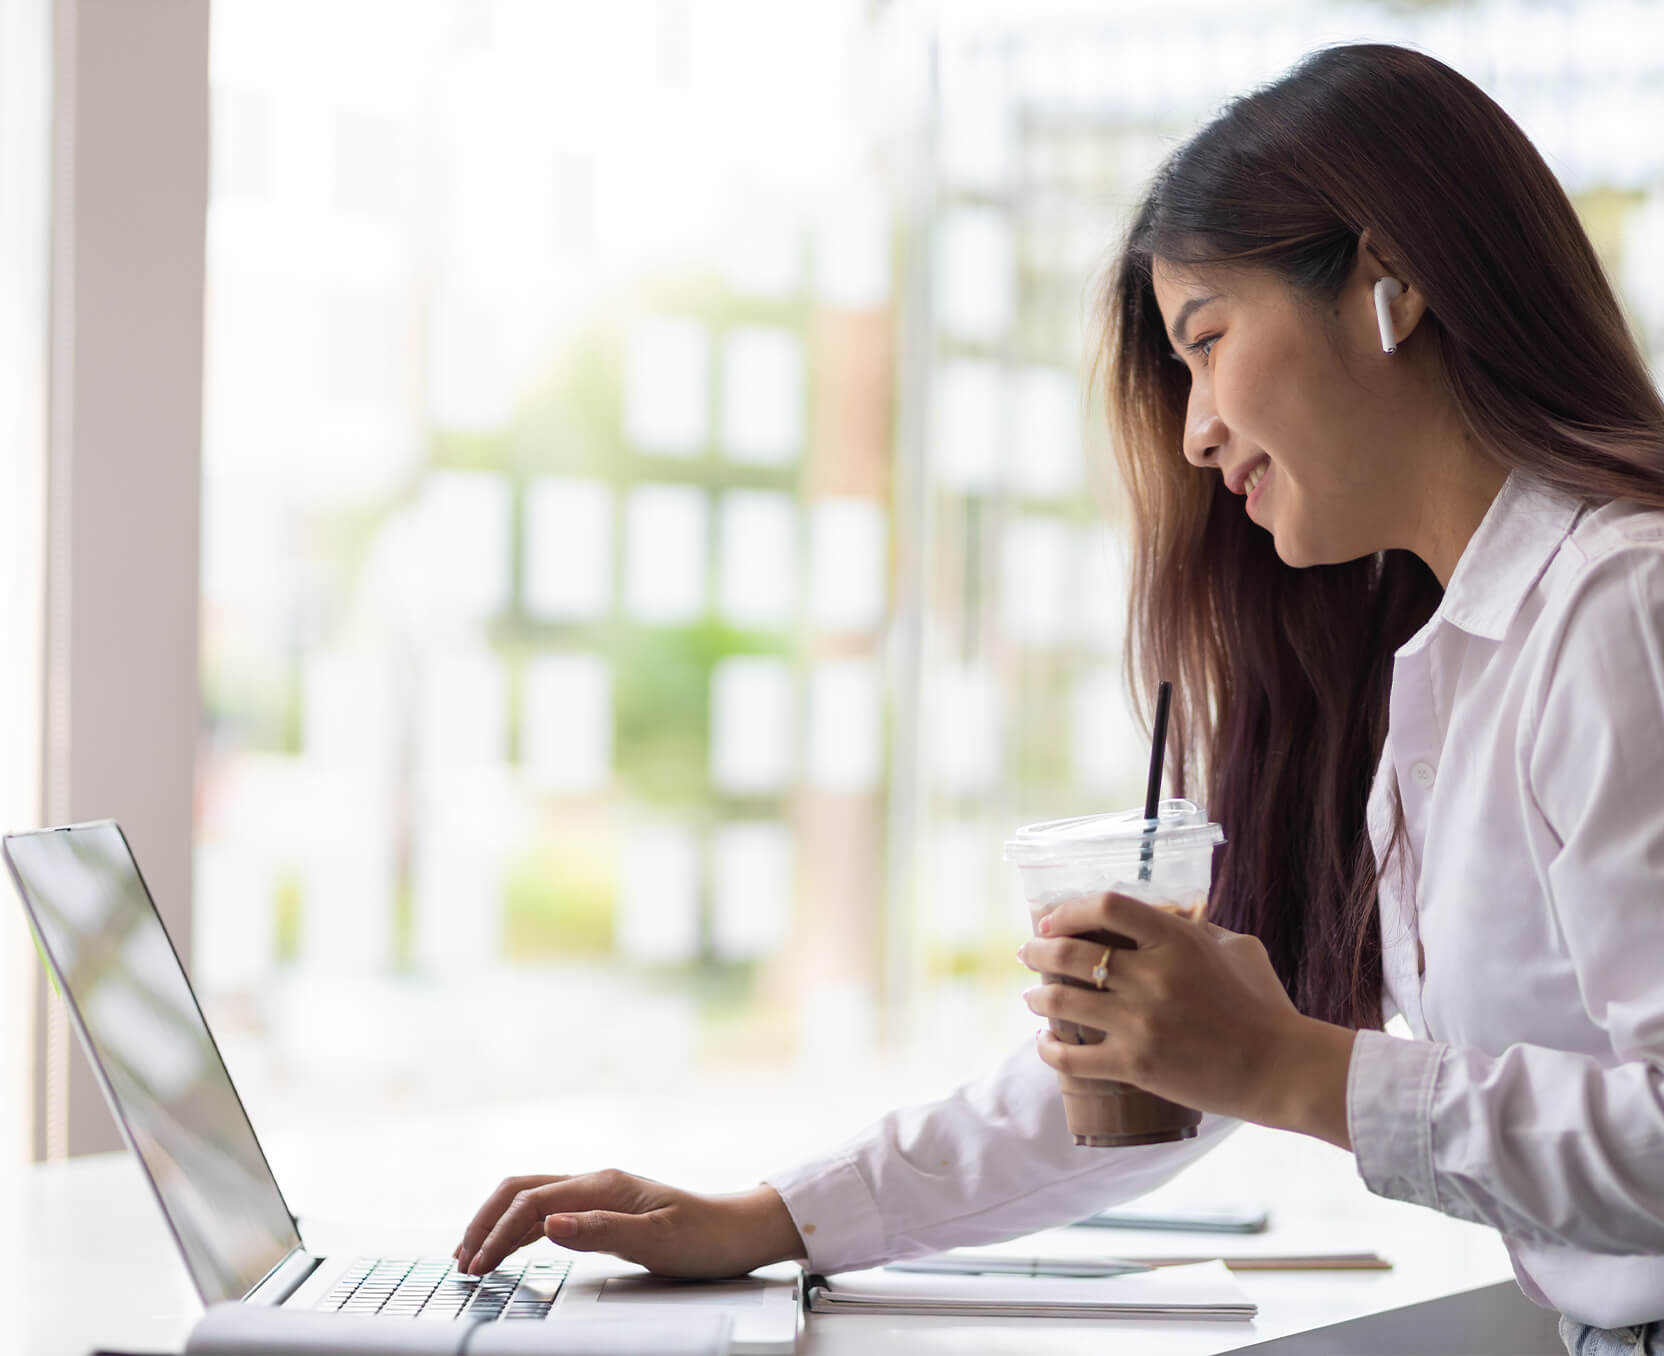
x=1422 y=774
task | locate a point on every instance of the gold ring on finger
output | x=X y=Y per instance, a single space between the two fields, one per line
x=1100 y=971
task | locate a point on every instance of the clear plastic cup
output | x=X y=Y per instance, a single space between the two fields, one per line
x=1169 y=866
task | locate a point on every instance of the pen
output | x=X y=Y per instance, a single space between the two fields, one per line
x=1320 y=1261
x=1080 y=1268
x=1240 y=1221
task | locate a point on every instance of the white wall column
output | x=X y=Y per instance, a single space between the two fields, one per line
x=130 y=194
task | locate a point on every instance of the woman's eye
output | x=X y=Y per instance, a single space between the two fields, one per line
x=1203 y=346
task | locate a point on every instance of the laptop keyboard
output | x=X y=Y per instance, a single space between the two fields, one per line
x=431 y=1287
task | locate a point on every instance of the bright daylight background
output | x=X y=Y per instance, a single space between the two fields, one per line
x=656 y=537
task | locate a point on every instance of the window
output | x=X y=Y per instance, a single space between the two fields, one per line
x=650 y=543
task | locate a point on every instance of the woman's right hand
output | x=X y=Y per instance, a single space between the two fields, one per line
x=670 y=1232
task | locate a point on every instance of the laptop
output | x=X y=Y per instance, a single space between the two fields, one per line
x=170 y=1092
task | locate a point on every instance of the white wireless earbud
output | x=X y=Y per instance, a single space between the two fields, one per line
x=1385 y=290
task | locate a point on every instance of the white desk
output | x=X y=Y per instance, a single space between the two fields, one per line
x=91 y=1227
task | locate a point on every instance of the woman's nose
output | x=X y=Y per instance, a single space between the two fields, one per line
x=1204 y=433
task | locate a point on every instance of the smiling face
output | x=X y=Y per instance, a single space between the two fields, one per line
x=1296 y=405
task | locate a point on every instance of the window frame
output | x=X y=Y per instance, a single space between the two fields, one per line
x=25 y=94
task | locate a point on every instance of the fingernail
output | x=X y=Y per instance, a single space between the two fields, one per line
x=1045 y=925
x=558 y=1224
x=1020 y=955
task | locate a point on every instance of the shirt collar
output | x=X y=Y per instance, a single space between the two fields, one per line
x=1515 y=541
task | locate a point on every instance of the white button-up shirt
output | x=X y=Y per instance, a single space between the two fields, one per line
x=1526 y=744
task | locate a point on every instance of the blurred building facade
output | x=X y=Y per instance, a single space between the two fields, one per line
x=657 y=538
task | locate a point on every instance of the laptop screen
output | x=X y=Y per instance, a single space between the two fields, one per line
x=161 y=1070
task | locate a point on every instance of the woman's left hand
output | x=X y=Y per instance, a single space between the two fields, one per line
x=1195 y=1014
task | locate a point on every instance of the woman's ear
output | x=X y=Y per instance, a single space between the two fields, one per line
x=1407 y=307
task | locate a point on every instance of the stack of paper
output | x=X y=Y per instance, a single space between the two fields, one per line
x=1204 y=1290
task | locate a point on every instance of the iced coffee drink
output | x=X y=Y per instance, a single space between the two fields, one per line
x=1168 y=864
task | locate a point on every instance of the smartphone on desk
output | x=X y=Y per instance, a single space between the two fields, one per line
x=1235 y=1220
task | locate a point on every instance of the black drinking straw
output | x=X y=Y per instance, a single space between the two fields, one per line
x=1152 y=791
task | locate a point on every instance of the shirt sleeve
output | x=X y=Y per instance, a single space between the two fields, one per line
x=1554 y=1146
x=993 y=1160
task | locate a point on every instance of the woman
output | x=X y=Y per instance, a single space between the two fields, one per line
x=1420 y=678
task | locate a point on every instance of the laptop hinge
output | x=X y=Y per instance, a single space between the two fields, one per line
x=281 y=1281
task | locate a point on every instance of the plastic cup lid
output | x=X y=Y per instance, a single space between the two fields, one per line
x=1181 y=826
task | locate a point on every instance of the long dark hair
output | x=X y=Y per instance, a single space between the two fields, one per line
x=1282 y=674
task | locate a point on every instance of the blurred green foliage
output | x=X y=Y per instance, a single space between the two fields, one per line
x=287 y=903
x=559 y=899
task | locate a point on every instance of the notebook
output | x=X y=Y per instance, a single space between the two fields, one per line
x=1205 y=1290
